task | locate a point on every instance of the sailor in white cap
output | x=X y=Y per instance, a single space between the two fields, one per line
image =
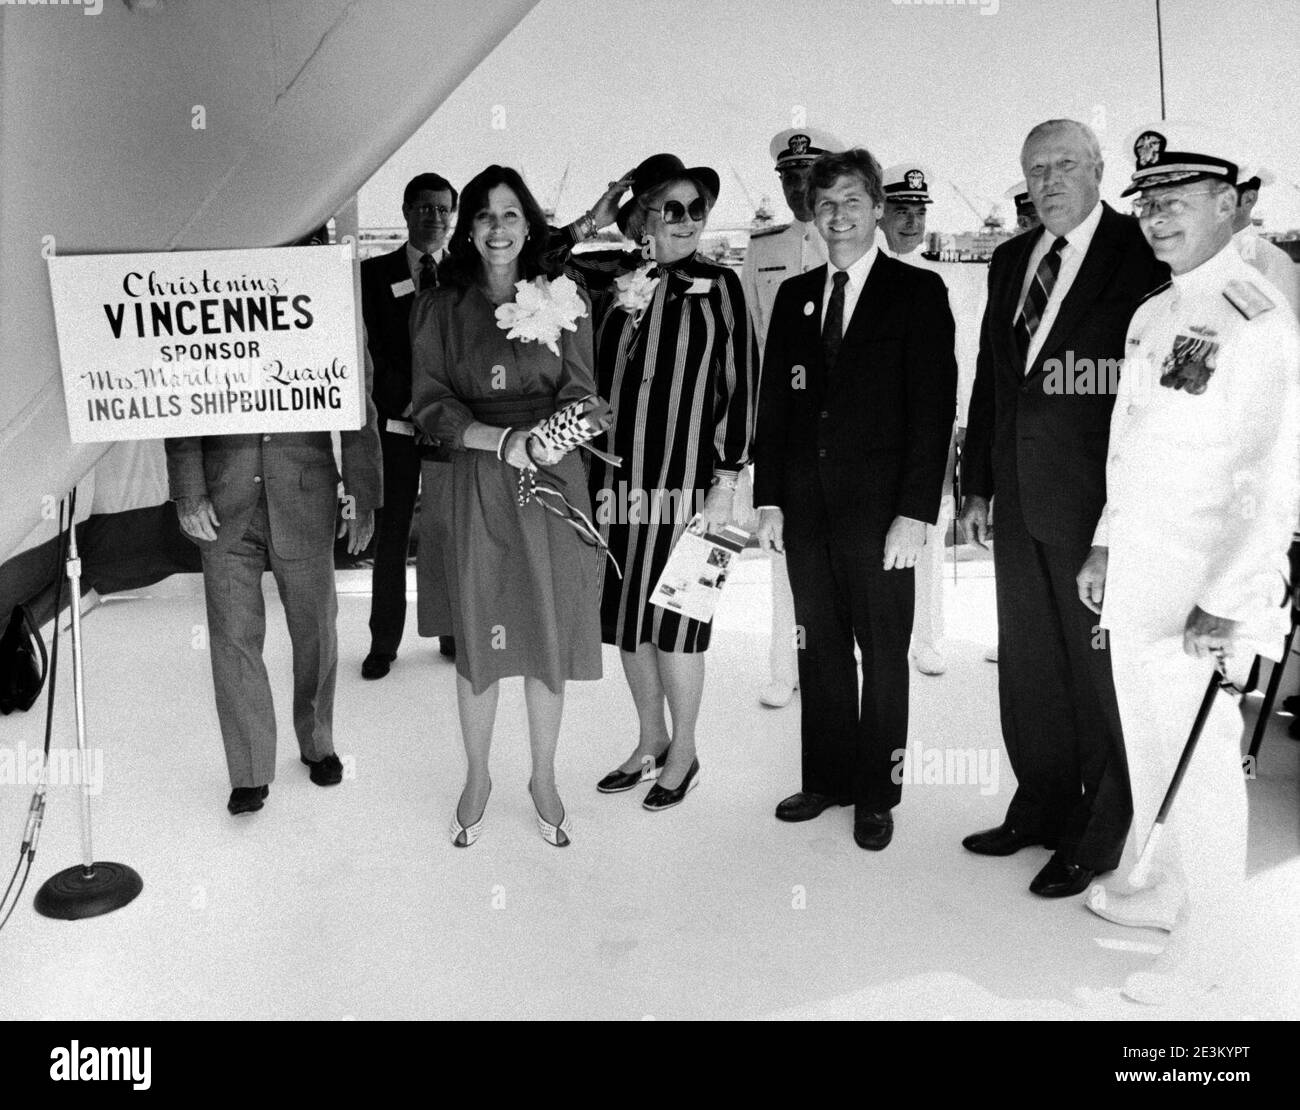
x=1268 y=258
x=1026 y=214
x=773 y=255
x=901 y=233
x=1189 y=562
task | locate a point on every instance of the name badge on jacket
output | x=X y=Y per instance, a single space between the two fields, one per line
x=700 y=285
x=403 y=288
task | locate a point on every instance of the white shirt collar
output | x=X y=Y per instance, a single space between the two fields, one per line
x=858 y=271
x=1081 y=237
x=414 y=254
x=1210 y=276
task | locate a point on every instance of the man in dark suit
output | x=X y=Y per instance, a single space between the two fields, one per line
x=389 y=283
x=1036 y=441
x=857 y=405
x=270 y=501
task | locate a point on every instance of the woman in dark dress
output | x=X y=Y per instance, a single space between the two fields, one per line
x=523 y=582
x=677 y=359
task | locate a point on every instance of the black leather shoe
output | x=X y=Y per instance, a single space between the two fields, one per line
x=872 y=830
x=804 y=806
x=326 y=771
x=1005 y=840
x=375 y=665
x=618 y=781
x=447 y=647
x=661 y=798
x=1059 y=879
x=247 y=799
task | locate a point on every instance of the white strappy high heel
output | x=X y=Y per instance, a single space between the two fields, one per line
x=462 y=836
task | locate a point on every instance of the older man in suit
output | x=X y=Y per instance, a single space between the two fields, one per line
x=270 y=501
x=858 y=397
x=1060 y=299
x=389 y=284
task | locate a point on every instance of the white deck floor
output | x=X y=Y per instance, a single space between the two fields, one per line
x=349 y=902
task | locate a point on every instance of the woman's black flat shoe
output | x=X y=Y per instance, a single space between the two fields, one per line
x=662 y=798
x=618 y=781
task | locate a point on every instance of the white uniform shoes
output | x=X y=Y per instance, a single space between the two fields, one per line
x=927 y=660
x=777 y=695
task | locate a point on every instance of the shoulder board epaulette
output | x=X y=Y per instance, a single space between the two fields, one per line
x=1247 y=298
x=1154 y=292
x=765 y=231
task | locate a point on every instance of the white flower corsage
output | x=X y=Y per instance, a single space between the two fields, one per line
x=541 y=310
x=635 y=292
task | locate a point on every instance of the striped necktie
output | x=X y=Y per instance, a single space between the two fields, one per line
x=1040 y=292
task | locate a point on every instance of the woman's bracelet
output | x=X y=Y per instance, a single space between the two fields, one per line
x=587 y=224
x=501 y=443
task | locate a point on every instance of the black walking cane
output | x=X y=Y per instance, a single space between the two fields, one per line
x=1142 y=869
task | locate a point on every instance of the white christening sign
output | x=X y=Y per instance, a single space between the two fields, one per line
x=187 y=343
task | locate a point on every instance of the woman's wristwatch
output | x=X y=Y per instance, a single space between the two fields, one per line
x=724 y=481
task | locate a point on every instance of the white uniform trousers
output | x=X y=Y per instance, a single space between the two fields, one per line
x=1203 y=850
x=927 y=620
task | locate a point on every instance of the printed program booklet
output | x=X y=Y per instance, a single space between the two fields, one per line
x=697 y=568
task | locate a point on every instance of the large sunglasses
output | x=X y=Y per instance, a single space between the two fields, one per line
x=675 y=212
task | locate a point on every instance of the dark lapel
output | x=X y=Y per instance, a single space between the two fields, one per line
x=1010 y=291
x=811 y=290
x=1099 y=264
x=873 y=307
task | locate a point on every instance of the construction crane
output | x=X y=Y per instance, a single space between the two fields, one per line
x=549 y=210
x=991 y=220
x=763 y=211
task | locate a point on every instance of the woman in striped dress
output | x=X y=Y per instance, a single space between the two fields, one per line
x=677 y=359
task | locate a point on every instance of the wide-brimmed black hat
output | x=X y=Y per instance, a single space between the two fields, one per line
x=659 y=168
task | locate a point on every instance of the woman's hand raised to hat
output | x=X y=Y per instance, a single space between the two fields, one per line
x=605 y=209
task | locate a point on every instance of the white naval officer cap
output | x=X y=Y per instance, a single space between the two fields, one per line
x=908 y=182
x=797 y=145
x=1255 y=176
x=1018 y=194
x=1176 y=152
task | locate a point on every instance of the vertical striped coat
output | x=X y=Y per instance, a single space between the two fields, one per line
x=683 y=383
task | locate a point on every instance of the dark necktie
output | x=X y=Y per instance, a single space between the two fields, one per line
x=428 y=272
x=1040 y=291
x=833 y=326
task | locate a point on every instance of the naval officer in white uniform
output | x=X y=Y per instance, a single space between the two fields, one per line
x=1266 y=257
x=772 y=256
x=902 y=233
x=1189 y=558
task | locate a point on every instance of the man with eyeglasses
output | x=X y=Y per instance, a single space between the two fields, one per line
x=1061 y=296
x=389 y=284
x=1188 y=567
x=773 y=255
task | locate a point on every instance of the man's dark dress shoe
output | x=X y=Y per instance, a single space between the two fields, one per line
x=326 y=771
x=804 y=806
x=375 y=665
x=1003 y=841
x=872 y=830
x=247 y=799
x=1059 y=879
x=447 y=647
